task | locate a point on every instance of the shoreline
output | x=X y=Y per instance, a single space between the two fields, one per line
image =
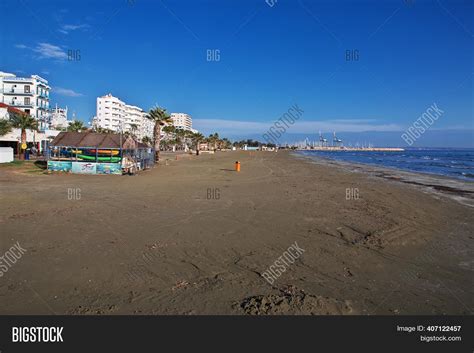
x=161 y=243
x=442 y=185
x=353 y=149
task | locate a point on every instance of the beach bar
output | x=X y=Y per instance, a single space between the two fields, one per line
x=97 y=153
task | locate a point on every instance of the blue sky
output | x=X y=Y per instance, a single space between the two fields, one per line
x=411 y=54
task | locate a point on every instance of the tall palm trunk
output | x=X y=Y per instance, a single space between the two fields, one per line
x=157 y=141
x=23 y=140
x=160 y=117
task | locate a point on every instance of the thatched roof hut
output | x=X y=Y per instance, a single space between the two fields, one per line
x=94 y=139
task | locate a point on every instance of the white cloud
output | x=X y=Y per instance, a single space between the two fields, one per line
x=49 y=51
x=68 y=28
x=300 y=126
x=20 y=46
x=66 y=92
x=352 y=121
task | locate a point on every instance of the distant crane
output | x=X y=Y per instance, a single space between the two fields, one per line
x=322 y=141
x=306 y=142
x=336 y=141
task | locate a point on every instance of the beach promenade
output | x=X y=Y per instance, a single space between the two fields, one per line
x=196 y=237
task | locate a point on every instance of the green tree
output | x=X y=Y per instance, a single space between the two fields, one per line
x=23 y=122
x=102 y=130
x=170 y=136
x=180 y=137
x=5 y=127
x=146 y=140
x=197 y=138
x=213 y=139
x=188 y=138
x=169 y=129
x=160 y=117
x=133 y=130
x=226 y=143
x=76 y=126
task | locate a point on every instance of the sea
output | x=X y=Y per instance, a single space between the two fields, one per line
x=454 y=163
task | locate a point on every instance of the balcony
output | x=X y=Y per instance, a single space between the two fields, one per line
x=17 y=92
x=42 y=84
x=23 y=105
x=22 y=80
x=44 y=95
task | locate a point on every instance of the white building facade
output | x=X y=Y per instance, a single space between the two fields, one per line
x=29 y=94
x=182 y=121
x=58 y=118
x=116 y=115
x=38 y=138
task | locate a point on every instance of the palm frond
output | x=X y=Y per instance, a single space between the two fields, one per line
x=5 y=127
x=23 y=121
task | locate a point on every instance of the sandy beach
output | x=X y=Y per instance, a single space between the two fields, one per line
x=195 y=237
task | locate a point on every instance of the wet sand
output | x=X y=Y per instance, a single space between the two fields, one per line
x=195 y=237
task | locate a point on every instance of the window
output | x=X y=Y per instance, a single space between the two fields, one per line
x=27 y=89
x=27 y=101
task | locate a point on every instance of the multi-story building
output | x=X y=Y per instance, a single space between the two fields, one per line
x=182 y=121
x=115 y=115
x=147 y=128
x=58 y=118
x=29 y=94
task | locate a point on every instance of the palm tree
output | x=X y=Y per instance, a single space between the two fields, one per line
x=5 y=127
x=226 y=143
x=169 y=129
x=102 y=130
x=197 y=138
x=160 y=117
x=133 y=130
x=188 y=138
x=146 y=140
x=180 y=136
x=23 y=122
x=214 y=138
x=76 y=126
x=170 y=136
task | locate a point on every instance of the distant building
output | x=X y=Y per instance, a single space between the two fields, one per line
x=250 y=148
x=182 y=121
x=116 y=115
x=38 y=139
x=58 y=118
x=29 y=94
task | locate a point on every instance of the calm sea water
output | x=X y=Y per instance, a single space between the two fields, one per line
x=455 y=163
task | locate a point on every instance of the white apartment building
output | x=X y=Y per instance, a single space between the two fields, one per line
x=182 y=121
x=116 y=115
x=58 y=118
x=147 y=128
x=29 y=94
